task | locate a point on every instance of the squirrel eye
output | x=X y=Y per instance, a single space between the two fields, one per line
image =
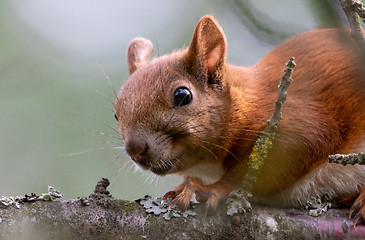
x=115 y=116
x=182 y=96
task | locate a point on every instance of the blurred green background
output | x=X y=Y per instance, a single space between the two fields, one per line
x=56 y=103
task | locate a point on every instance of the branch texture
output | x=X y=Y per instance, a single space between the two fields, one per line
x=238 y=199
x=345 y=159
x=354 y=10
x=100 y=216
x=109 y=218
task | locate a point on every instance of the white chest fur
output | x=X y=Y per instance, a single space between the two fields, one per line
x=207 y=172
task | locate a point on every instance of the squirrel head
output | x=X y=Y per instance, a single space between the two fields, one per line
x=172 y=110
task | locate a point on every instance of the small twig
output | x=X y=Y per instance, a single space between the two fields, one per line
x=264 y=142
x=345 y=159
x=238 y=199
x=353 y=9
x=359 y=9
x=51 y=195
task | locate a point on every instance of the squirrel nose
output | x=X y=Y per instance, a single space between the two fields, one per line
x=136 y=149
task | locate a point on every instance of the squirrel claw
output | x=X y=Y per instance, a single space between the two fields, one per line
x=354 y=210
x=357 y=213
x=180 y=204
x=182 y=201
x=170 y=194
x=211 y=205
x=173 y=202
x=357 y=218
x=180 y=196
x=357 y=210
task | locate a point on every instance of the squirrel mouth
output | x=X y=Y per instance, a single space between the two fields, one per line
x=161 y=171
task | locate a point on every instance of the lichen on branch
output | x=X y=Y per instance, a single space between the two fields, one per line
x=345 y=159
x=354 y=9
x=238 y=199
x=264 y=142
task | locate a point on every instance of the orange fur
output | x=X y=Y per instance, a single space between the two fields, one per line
x=208 y=141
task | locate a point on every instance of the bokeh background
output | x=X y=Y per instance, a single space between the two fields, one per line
x=62 y=61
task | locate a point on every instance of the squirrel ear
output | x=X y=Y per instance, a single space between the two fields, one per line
x=139 y=52
x=209 y=48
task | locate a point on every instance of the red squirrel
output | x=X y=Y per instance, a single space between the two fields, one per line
x=192 y=114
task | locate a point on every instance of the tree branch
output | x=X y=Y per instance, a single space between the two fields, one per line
x=345 y=159
x=354 y=10
x=100 y=216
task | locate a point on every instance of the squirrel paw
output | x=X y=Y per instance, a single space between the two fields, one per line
x=182 y=194
x=357 y=210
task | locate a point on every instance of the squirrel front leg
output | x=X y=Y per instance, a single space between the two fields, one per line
x=211 y=194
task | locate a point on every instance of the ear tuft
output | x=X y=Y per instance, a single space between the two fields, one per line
x=139 y=52
x=209 y=47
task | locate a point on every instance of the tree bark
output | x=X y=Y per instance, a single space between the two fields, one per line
x=103 y=217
